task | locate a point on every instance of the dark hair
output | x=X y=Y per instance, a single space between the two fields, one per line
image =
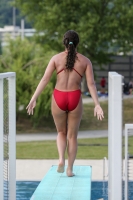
x=71 y=40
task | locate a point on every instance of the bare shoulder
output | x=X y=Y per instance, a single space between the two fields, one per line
x=84 y=59
x=57 y=56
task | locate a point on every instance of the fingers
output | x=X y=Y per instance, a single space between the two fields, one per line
x=30 y=109
x=100 y=116
x=95 y=113
x=98 y=112
x=27 y=106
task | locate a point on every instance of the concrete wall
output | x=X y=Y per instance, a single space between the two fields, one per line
x=121 y=64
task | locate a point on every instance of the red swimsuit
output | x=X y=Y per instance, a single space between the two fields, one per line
x=67 y=100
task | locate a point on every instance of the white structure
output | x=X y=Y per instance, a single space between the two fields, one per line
x=8 y=136
x=11 y=32
x=115 y=136
x=128 y=129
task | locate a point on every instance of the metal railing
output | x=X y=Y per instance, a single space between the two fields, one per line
x=8 y=136
x=105 y=178
x=128 y=172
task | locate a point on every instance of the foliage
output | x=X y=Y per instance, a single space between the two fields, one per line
x=88 y=122
x=105 y=26
x=29 y=61
x=6 y=14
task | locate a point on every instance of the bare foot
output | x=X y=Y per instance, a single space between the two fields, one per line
x=70 y=173
x=61 y=167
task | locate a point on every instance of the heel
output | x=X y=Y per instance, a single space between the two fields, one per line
x=60 y=169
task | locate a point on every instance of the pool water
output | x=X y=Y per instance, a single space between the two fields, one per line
x=99 y=189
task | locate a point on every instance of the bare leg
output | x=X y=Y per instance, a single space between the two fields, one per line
x=61 y=145
x=67 y=133
x=60 y=119
x=72 y=151
x=74 y=118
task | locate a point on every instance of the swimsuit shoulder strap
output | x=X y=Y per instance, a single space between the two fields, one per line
x=60 y=71
x=77 y=72
x=73 y=69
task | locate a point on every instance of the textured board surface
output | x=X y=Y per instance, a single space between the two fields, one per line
x=57 y=186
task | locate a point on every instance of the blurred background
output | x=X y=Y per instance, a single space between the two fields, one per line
x=31 y=33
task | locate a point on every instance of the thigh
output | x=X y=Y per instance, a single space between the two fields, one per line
x=59 y=116
x=74 y=118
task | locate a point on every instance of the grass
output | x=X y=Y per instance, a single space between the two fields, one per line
x=87 y=148
x=127 y=111
x=89 y=122
x=93 y=148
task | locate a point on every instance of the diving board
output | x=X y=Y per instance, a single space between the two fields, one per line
x=57 y=186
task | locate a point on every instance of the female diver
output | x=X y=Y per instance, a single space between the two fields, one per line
x=67 y=99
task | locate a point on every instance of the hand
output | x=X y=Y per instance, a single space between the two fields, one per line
x=31 y=107
x=98 y=112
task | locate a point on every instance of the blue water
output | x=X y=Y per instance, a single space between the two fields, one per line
x=99 y=189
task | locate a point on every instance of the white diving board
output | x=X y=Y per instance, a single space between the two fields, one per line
x=57 y=186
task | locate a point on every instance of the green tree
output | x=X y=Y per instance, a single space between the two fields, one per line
x=6 y=14
x=105 y=26
x=29 y=61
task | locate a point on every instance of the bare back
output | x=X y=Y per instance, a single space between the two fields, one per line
x=69 y=80
x=67 y=106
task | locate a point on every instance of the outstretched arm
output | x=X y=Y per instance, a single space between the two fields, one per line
x=93 y=91
x=42 y=84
